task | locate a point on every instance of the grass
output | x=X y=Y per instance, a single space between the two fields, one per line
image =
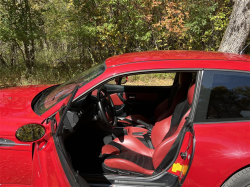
x=154 y=79
x=40 y=74
x=54 y=74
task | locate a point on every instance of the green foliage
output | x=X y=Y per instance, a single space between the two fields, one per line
x=207 y=23
x=38 y=38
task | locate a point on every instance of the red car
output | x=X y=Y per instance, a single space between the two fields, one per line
x=193 y=131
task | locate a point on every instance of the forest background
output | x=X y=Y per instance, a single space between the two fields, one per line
x=51 y=41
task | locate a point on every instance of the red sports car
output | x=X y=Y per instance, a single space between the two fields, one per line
x=192 y=131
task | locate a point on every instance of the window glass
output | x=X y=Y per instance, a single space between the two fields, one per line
x=152 y=79
x=51 y=97
x=224 y=96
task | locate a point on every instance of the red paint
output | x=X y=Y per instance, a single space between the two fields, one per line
x=16 y=102
x=15 y=185
x=220 y=150
x=226 y=62
x=15 y=165
x=16 y=111
x=47 y=169
x=187 y=146
x=172 y=55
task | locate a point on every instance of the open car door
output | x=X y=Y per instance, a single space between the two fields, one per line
x=51 y=166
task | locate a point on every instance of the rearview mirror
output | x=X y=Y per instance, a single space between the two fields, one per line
x=124 y=80
x=121 y=80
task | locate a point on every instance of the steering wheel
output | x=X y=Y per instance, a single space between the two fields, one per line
x=106 y=108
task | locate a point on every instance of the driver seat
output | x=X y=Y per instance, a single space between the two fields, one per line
x=129 y=155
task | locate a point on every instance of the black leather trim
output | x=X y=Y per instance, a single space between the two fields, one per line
x=172 y=94
x=107 y=169
x=180 y=110
x=132 y=156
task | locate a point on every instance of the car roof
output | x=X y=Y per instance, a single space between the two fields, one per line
x=147 y=56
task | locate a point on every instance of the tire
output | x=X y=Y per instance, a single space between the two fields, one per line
x=239 y=179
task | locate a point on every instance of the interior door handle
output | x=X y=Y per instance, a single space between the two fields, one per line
x=132 y=96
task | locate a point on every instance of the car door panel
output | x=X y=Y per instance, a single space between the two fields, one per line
x=47 y=170
x=133 y=96
x=14 y=155
x=184 y=159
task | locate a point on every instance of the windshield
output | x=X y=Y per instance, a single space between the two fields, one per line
x=53 y=96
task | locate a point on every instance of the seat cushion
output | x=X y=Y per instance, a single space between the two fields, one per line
x=126 y=160
x=129 y=142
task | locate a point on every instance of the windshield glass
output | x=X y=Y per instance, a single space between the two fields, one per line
x=54 y=96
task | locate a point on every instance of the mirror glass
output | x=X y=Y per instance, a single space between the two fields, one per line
x=124 y=80
x=30 y=132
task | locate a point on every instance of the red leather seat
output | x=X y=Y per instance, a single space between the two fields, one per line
x=166 y=108
x=129 y=155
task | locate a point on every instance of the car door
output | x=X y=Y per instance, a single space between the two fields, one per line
x=50 y=164
x=135 y=97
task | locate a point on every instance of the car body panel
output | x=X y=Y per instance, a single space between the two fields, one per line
x=16 y=102
x=181 y=166
x=173 y=55
x=16 y=165
x=221 y=149
x=47 y=169
x=15 y=185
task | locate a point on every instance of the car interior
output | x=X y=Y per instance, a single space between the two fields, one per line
x=129 y=130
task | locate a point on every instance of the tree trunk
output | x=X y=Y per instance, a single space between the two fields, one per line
x=238 y=29
x=13 y=54
x=2 y=61
x=27 y=56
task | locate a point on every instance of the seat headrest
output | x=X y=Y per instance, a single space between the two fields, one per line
x=185 y=78
x=190 y=94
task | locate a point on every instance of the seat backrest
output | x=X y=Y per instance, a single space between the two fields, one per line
x=165 y=132
x=177 y=94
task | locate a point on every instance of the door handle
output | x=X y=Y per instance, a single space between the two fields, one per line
x=131 y=96
x=9 y=143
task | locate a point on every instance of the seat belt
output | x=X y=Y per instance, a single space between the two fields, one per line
x=148 y=140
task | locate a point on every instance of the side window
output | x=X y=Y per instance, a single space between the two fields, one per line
x=224 y=96
x=153 y=79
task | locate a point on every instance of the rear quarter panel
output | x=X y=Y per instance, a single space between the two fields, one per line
x=221 y=149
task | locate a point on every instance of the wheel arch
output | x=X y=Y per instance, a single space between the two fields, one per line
x=246 y=166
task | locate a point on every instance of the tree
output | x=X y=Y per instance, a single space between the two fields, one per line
x=21 y=24
x=238 y=29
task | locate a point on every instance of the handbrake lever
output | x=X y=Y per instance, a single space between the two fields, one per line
x=148 y=126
